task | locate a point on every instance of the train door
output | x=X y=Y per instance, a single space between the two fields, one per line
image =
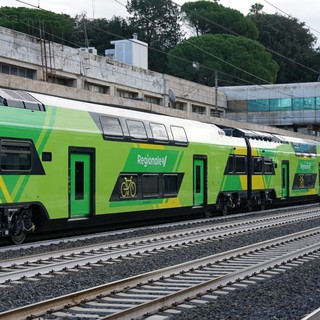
x=80 y=184
x=199 y=187
x=285 y=179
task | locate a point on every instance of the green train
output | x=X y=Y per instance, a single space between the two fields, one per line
x=69 y=164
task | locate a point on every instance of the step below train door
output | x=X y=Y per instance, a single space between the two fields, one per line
x=199 y=181
x=285 y=179
x=81 y=182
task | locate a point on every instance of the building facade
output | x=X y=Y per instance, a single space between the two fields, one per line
x=293 y=107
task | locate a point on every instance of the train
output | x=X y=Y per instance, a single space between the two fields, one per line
x=68 y=164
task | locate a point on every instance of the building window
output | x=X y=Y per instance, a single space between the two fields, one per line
x=61 y=81
x=17 y=71
x=198 y=109
x=127 y=94
x=178 y=105
x=154 y=100
x=96 y=88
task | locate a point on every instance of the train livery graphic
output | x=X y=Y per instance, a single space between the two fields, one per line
x=68 y=164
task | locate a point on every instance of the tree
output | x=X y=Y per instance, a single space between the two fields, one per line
x=256 y=8
x=237 y=59
x=292 y=46
x=56 y=27
x=210 y=17
x=157 y=23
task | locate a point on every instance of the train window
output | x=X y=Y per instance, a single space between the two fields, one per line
x=268 y=166
x=179 y=135
x=79 y=180
x=3 y=102
x=240 y=164
x=32 y=105
x=159 y=132
x=304 y=148
x=150 y=185
x=15 y=103
x=257 y=165
x=15 y=155
x=111 y=127
x=229 y=168
x=137 y=129
x=312 y=149
x=170 y=184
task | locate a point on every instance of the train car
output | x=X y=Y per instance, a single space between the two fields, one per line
x=271 y=169
x=67 y=164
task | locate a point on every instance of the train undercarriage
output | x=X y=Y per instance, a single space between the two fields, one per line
x=15 y=223
x=228 y=201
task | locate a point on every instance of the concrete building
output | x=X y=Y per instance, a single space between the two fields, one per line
x=34 y=64
x=293 y=107
x=119 y=83
x=132 y=52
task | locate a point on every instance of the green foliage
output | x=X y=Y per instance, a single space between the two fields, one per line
x=210 y=17
x=157 y=23
x=256 y=8
x=197 y=58
x=292 y=46
x=57 y=27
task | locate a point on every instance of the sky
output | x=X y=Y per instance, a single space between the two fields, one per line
x=307 y=11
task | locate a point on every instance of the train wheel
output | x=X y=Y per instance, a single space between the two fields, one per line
x=18 y=239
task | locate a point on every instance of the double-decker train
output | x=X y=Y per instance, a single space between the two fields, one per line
x=69 y=164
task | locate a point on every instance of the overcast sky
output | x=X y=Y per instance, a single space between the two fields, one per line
x=307 y=11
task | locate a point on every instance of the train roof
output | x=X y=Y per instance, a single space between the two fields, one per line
x=196 y=131
x=266 y=136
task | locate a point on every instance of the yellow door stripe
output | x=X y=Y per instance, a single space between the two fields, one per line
x=5 y=190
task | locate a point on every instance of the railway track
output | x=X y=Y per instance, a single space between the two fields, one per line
x=30 y=267
x=204 y=279
x=153 y=229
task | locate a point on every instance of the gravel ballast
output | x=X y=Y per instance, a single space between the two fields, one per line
x=287 y=296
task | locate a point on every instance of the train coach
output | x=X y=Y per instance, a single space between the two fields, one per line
x=68 y=164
